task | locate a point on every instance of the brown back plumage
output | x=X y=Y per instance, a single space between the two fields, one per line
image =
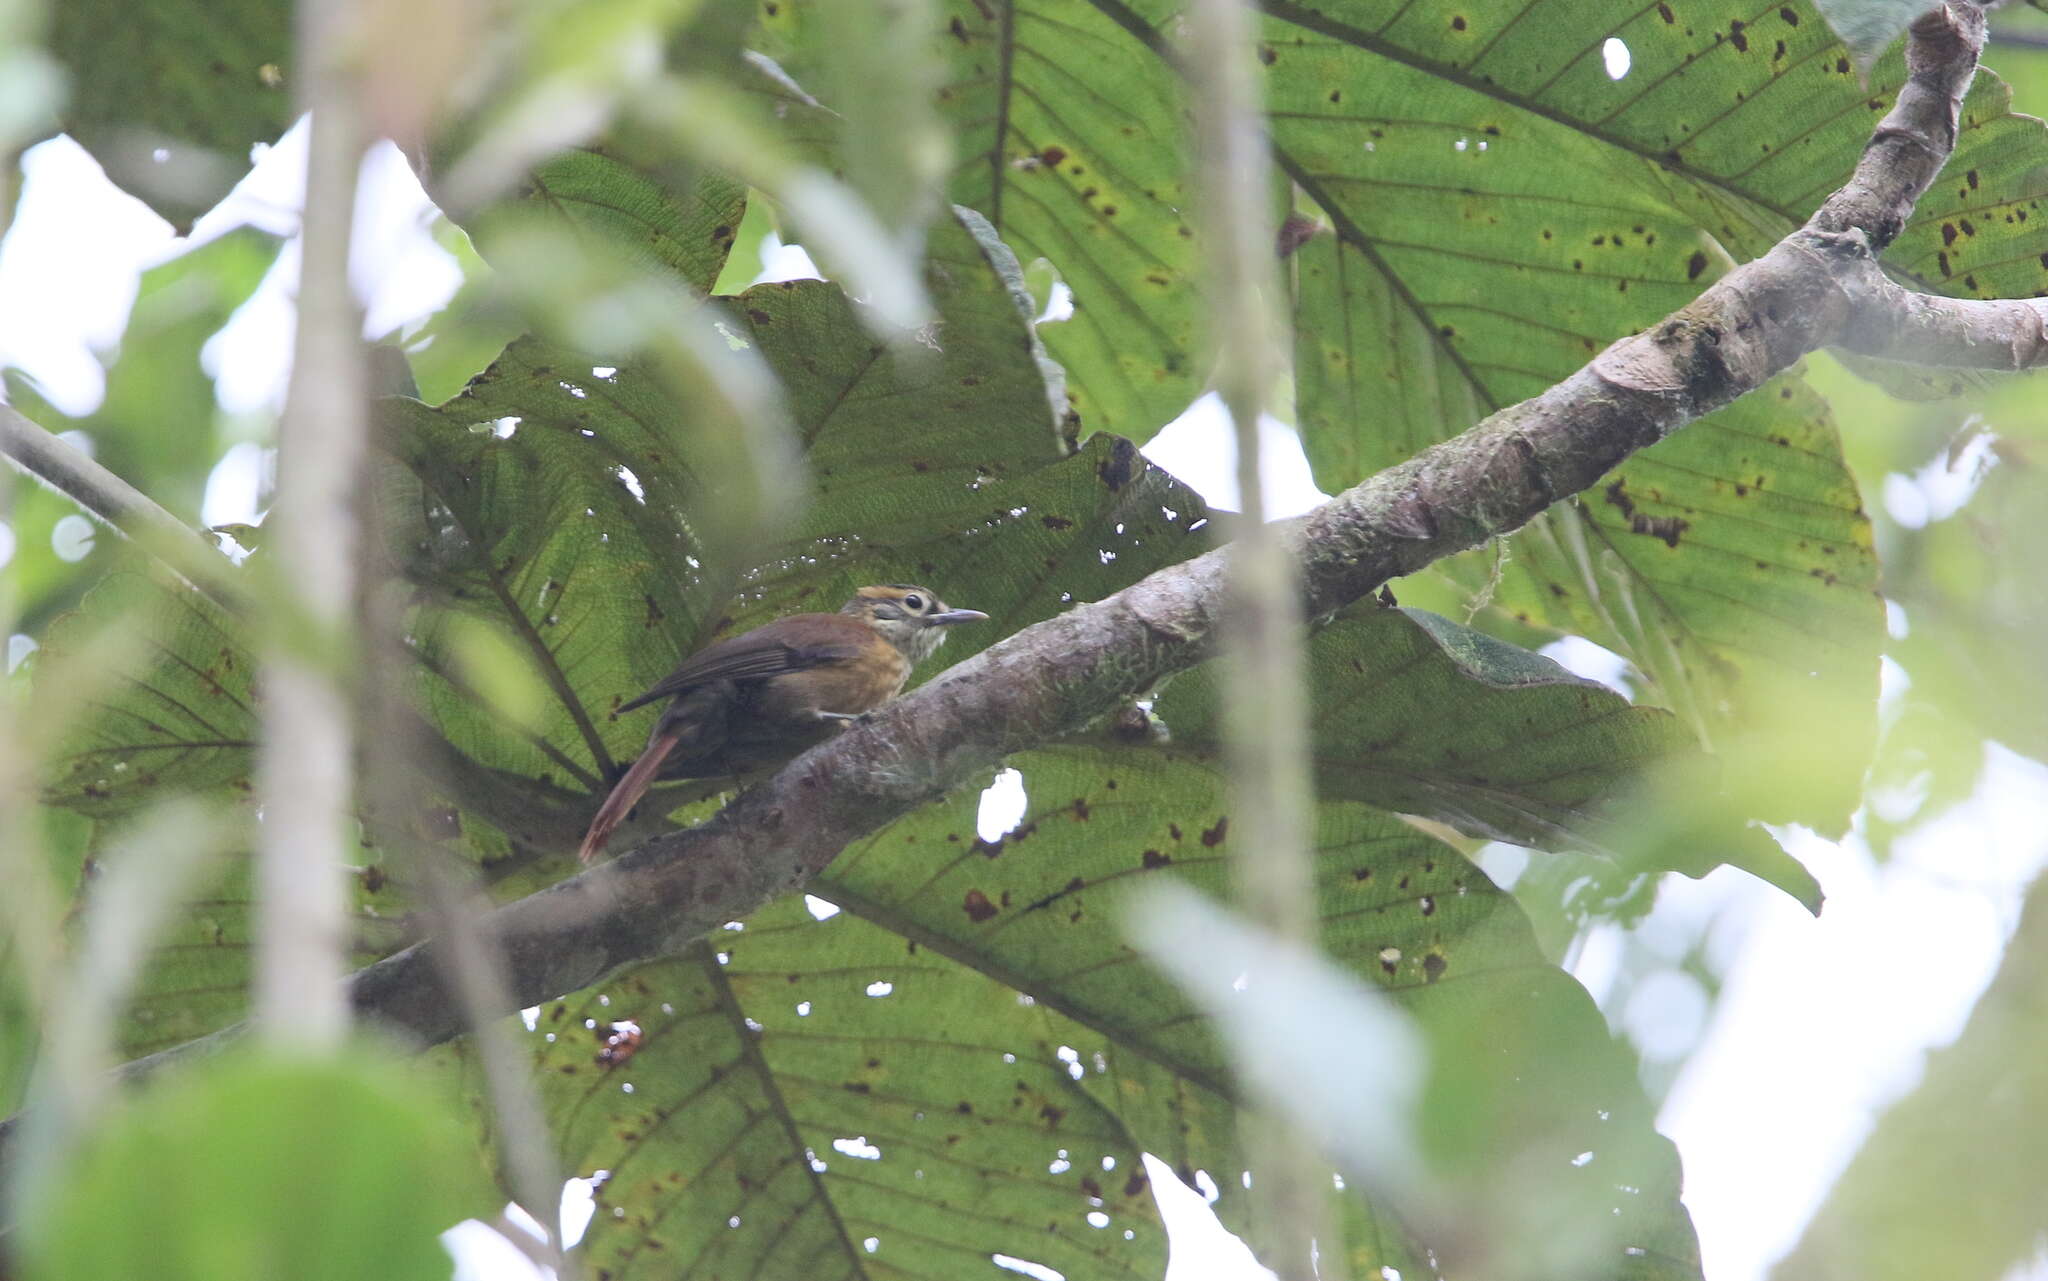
x=759 y=698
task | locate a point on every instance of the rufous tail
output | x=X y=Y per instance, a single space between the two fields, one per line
x=625 y=796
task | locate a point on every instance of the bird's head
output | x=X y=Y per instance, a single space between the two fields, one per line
x=909 y=617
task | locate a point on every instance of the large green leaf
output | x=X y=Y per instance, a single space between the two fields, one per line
x=615 y=190
x=1068 y=138
x=968 y=1060
x=251 y=1167
x=201 y=82
x=1416 y=714
x=1738 y=573
x=183 y=718
x=197 y=981
x=1502 y=208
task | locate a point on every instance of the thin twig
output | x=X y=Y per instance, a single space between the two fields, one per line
x=101 y=493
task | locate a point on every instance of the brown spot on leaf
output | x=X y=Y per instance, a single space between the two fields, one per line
x=1668 y=528
x=1212 y=837
x=978 y=908
x=1433 y=966
x=1154 y=859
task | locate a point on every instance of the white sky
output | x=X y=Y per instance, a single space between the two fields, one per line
x=1820 y=1022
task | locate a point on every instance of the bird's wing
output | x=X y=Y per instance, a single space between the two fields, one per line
x=743 y=658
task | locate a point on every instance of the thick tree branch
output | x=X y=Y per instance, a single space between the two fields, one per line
x=1913 y=141
x=1053 y=678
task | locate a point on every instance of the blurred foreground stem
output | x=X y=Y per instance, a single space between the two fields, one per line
x=1266 y=737
x=304 y=779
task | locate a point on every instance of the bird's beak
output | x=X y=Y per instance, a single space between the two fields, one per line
x=955 y=616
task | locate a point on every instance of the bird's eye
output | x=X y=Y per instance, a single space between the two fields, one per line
x=914 y=601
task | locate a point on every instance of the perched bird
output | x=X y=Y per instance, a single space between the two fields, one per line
x=759 y=698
